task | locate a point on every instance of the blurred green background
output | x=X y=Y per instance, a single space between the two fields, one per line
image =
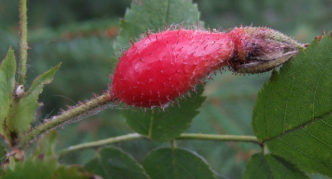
x=80 y=34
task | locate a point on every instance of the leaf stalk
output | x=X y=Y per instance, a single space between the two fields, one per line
x=134 y=136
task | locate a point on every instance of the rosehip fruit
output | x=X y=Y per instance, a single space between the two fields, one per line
x=165 y=65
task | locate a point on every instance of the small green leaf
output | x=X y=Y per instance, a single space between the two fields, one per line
x=114 y=163
x=30 y=169
x=3 y=152
x=7 y=85
x=46 y=145
x=153 y=15
x=71 y=172
x=271 y=167
x=34 y=168
x=176 y=163
x=293 y=114
x=23 y=111
x=166 y=125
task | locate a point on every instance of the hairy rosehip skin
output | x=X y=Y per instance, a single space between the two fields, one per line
x=165 y=65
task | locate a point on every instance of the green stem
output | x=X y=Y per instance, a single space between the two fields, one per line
x=173 y=144
x=234 y=138
x=134 y=136
x=103 y=142
x=64 y=117
x=22 y=69
x=265 y=150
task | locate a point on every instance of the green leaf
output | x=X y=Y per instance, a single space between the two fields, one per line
x=176 y=163
x=7 y=85
x=293 y=114
x=114 y=163
x=33 y=168
x=46 y=145
x=270 y=166
x=71 y=172
x=23 y=111
x=166 y=125
x=153 y=15
x=30 y=169
x=3 y=153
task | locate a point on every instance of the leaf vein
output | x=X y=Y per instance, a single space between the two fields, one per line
x=286 y=105
x=310 y=157
x=319 y=140
x=319 y=118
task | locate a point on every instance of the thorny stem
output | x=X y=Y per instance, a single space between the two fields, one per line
x=133 y=136
x=60 y=119
x=24 y=42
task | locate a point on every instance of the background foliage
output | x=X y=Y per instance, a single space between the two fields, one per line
x=81 y=33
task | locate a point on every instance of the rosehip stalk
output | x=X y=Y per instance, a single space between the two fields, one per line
x=165 y=65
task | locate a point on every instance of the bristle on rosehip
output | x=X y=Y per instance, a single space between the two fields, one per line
x=165 y=65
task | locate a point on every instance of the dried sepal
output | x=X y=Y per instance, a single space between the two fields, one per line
x=260 y=49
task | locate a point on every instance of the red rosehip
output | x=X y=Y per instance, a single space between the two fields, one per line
x=165 y=65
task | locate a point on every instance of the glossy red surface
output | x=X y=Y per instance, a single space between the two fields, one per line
x=165 y=65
